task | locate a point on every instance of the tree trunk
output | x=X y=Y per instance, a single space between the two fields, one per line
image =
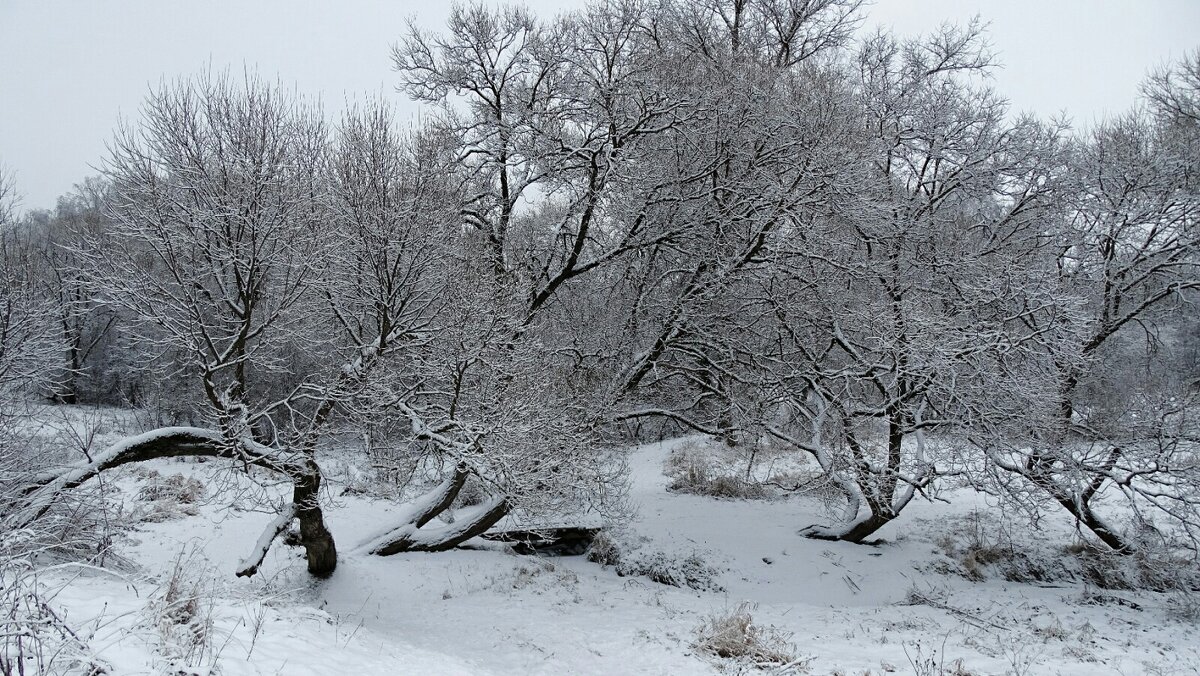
x=409 y=538
x=37 y=498
x=440 y=499
x=854 y=529
x=318 y=543
x=1039 y=470
x=171 y=442
x=1082 y=511
x=855 y=532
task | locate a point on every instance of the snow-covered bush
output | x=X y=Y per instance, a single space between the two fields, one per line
x=605 y=549
x=1146 y=569
x=977 y=550
x=735 y=636
x=1184 y=607
x=181 y=614
x=980 y=547
x=693 y=471
x=174 y=487
x=168 y=497
x=630 y=556
x=77 y=527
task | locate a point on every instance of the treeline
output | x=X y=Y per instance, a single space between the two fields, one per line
x=737 y=217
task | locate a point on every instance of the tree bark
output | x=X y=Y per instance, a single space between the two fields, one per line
x=855 y=532
x=408 y=538
x=319 y=548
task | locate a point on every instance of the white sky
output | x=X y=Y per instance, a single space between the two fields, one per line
x=69 y=69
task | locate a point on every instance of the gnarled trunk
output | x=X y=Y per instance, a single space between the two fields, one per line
x=855 y=530
x=174 y=442
x=318 y=543
x=1080 y=507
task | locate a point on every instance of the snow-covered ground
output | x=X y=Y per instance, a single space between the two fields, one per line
x=893 y=607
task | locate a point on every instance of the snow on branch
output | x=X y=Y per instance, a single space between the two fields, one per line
x=166 y=442
x=468 y=524
x=249 y=565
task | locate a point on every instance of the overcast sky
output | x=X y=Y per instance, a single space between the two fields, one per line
x=68 y=70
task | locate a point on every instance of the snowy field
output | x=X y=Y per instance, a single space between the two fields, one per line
x=168 y=601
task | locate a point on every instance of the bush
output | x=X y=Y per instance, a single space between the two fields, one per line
x=182 y=616
x=175 y=487
x=692 y=471
x=605 y=550
x=629 y=556
x=167 y=498
x=735 y=636
x=1184 y=607
x=1147 y=569
x=979 y=548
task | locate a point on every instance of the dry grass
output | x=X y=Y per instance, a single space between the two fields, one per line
x=735 y=636
x=182 y=616
x=166 y=498
x=174 y=487
x=693 y=471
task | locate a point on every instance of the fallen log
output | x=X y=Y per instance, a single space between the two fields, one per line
x=567 y=541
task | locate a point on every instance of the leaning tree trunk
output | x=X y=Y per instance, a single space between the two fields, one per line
x=879 y=490
x=40 y=494
x=1039 y=470
x=408 y=538
x=1079 y=506
x=410 y=535
x=855 y=530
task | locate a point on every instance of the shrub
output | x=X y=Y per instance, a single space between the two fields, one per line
x=690 y=571
x=629 y=556
x=174 y=488
x=167 y=498
x=605 y=550
x=735 y=636
x=692 y=471
x=978 y=549
x=1183 y=607
x=34 y=638
x=1148 y=568
x=182 y=616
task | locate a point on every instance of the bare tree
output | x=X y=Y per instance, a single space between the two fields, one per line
x=1174 y=92
x=216 y=230
x=890 y=308
x=1127 y=254
x=554 y=114
x=8 y=197
x=773 y=33
x=86 y=328
x=27 y=342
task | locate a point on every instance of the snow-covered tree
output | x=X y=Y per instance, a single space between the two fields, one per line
x=891 y=307
x=1128 y=265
